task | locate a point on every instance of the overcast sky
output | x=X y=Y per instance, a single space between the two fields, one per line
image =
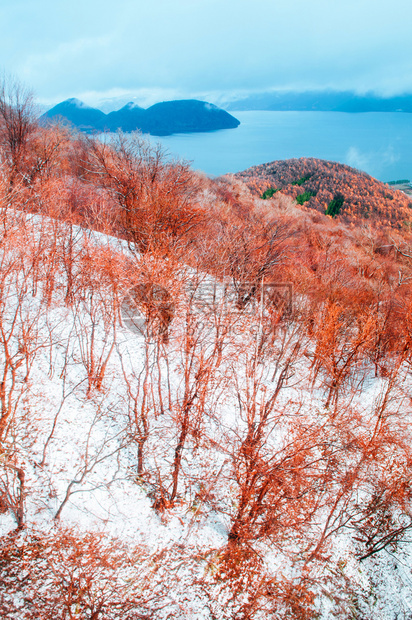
x=163 y=49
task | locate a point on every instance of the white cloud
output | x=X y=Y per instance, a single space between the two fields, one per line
x=374 y=161
x=207 y=45
x=356 y=159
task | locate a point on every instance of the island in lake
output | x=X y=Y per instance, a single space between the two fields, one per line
x=161 y=119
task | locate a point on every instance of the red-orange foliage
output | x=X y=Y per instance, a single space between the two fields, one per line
x=329 y=469
x=364 y=196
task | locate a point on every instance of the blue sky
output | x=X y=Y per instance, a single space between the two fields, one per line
x=162 y=49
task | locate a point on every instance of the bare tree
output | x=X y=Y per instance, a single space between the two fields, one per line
x=154 y=195
x=16 y=125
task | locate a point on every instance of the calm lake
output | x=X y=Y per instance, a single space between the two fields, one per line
x=378 y=143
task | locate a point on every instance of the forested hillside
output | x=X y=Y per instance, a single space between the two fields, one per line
x=332 y=188
x=204 y=394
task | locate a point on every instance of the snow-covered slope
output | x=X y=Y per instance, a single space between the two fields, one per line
x=192 y=473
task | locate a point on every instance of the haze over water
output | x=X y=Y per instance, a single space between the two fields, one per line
x=378 y=143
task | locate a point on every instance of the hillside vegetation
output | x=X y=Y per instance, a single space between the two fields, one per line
x=363 y=197
x=204 y=394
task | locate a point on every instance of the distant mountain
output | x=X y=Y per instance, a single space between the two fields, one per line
x=322 y=101
x=128 y=118
x=161 y=119
x=186 y=116
x=77 y=113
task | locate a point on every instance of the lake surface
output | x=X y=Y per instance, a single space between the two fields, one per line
x=378 y=143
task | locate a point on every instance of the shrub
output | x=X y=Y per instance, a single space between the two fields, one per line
x=302 y=198
x=269 y=192
x=302 y=180
x=335 y=205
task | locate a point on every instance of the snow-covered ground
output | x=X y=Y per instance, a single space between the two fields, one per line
x=145 y=441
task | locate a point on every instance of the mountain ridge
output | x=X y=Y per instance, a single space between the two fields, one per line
x=321 y=101
x=160 y=119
